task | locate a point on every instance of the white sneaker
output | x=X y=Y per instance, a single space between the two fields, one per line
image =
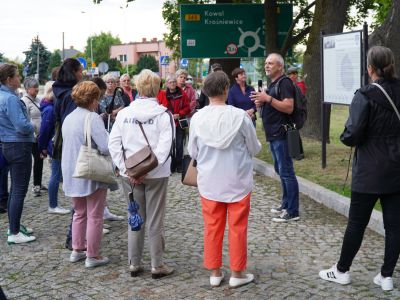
x=20 y=238
x=236 y=282
x=110 y=216
x=334 y=275
x=386 y=283
x=59 y=210
x=77 y=256
x=92 y=262
x=105 y=231
x=216 y=280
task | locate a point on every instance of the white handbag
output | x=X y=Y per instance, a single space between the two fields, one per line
x=91 y=164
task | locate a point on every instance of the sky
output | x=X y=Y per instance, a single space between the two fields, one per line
x=22 y=20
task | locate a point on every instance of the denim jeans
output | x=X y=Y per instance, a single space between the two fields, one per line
x=361 y=207
x=283 y=165
x=4 y=186
x=19 y=158
x=54 y=182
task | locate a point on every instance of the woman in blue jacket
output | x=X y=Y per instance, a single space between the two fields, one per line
x=45 y=144
x=16 y=133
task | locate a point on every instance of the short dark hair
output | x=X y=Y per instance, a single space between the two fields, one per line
x=68 y=69
x=216 y=67
x=237 y=71
x=100 y=83
x=7 y=70
x=216 y=83
x=381 y=59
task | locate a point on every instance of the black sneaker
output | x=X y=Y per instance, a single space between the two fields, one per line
x=3 y=210
x=286 y=217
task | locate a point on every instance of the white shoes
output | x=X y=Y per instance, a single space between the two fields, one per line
x=334 y=275
x=20 y=238
x=77 y=256
x=105 y=230
x=110 y=216
x=59 y=210
x=92 y=262
x=216 y=280
x=386 y=283
x=236 y=282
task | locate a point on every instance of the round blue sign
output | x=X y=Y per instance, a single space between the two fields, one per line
x=184 y=62
x=82 y=61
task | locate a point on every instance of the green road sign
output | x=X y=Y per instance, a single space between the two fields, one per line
x=228 y=30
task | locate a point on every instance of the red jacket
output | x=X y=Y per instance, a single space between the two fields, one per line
x=177 y=103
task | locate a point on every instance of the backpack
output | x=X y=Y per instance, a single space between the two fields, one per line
x=299 y=114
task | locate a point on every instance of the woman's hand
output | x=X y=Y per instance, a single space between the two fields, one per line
x=136 y=180
x=176 y=116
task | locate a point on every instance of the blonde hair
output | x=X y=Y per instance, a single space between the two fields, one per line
x=48 y=91
x=148 y=83
x=85 y=93
x=181 y=72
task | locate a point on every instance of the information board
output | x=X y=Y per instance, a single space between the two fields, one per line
x=342 y=66
x=228 y=30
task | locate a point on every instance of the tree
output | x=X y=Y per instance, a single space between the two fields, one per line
x=1 y=57
x=113 y=64
x=147 y=62
x=31 y=59
x=55 y=60
x=101 y=44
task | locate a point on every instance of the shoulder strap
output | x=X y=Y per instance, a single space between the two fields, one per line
x=33 y=102
x=277 y=90
x=144 y=134
x=389 y=99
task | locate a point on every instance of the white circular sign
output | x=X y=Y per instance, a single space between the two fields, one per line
x=103 y=67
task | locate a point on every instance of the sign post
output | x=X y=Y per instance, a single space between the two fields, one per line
x=228 y=30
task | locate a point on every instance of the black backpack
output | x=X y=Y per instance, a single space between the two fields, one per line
x=299 y=114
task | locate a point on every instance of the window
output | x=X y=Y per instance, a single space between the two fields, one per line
x=123 y=57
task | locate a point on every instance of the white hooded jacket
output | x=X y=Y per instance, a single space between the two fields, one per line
x=223 y=140
x=126 y=133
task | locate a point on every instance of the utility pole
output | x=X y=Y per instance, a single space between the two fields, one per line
x=63 y=49
x=38 y=50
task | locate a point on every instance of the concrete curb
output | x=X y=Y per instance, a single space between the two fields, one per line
x=322 y=195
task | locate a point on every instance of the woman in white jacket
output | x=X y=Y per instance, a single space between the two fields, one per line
x=223 y=140
x=149 y=191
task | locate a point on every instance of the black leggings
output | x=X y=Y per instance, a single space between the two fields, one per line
x=37 y=165
x=361 y=207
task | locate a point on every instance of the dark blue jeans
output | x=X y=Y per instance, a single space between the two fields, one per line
x=283 y=165
x=54 y=182
x=19 y=158
x=361 y=207
x=4 y=187
x=177 y=156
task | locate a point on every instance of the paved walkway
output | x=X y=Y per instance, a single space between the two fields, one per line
x=285 y=258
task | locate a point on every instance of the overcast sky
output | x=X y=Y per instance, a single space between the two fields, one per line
x=21 y=20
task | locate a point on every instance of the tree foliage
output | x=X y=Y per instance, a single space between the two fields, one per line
x=147 y=62
x=31 y=59
x=55 y=60
x=101 y=44
x=1 y=57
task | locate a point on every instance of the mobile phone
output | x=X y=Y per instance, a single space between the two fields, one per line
x=260 y=85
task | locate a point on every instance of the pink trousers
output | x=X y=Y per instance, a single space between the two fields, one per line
x=87 y=224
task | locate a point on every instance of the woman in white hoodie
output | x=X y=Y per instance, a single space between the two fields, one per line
x=223 y=140
x=150 y=191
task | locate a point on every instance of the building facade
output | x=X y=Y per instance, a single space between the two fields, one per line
x=129 y=54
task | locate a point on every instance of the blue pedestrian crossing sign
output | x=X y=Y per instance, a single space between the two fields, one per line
x=184 y=62
x=82 y=61
x=164 y=60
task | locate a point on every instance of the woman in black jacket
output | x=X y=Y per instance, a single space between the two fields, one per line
x=373 y=128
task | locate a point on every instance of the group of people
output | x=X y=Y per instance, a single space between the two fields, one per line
x=222 y=139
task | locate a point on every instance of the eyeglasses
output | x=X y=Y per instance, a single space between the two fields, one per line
x=126 y=80
x=111 y=82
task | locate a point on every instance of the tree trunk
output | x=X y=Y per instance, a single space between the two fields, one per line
x=329 y=16
x=388 y=34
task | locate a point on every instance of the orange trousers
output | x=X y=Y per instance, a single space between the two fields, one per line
x=214 y=215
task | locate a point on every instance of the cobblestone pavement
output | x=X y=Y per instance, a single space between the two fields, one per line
x=285 y=258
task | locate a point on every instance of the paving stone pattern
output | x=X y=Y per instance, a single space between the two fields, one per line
x=285 y=258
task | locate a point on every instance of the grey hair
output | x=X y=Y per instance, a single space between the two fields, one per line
x=109 y=76
x=123 y=76
x=180 y=72
x=216 y=84
x=30 y=82
x=170 y=77
x=278 y=58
